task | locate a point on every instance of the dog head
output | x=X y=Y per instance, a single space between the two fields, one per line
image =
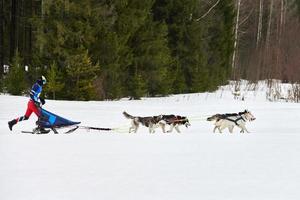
x=187 y=123
x=157 y=119
x=248 y=115
x=184 y=121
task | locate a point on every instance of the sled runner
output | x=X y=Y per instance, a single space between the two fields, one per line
x=49 y=121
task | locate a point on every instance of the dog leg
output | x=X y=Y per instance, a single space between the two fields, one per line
x=132 y=126
x=215 y=129
x=222 y=128
x=151 y=128
x=177 y=129
x=220 y=131
x=171 y=128
x=163 y=127
x=244 y=128
x=136 y=128
x=218 y=125
x=241 y=127
x=230 y=128
x=132 y=129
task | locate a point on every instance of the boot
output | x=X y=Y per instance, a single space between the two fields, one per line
x=44 y=131
x=11 y=124
x=40 y=130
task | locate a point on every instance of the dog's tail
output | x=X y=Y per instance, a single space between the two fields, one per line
x=128 y=116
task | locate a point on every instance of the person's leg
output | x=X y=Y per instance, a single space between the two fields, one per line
x=37 y=111
x=29 y=110
x=22 y=118
x=33 y=108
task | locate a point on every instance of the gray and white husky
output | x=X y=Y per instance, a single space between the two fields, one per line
x=150 y=122
x=231 y=120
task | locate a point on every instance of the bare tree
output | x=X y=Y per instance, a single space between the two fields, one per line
x=269 y=24
x=268 y=42
x=1 y=36
x=259 y=25
x=235 y=44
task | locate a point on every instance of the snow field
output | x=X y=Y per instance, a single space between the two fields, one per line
x=195 y=164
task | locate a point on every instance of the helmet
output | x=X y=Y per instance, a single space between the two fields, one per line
x=42 y=80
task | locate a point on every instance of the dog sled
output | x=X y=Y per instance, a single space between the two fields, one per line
x=49 y=121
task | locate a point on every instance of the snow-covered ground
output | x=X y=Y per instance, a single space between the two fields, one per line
x=193 y=165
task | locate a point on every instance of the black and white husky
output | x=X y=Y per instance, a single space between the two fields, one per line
x=174 y=121
x=231 y=120
x=150 y=122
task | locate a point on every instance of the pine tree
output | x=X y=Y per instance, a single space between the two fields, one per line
x=120 y=72
x=220 y=43
x=70 y=26
x=137 y=86
x=81 y=74
x=179 y=85
x=152 y=57
x=185 y=42
x=54 y=83
x=15 y=81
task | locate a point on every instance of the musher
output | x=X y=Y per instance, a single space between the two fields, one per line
x=34 y=102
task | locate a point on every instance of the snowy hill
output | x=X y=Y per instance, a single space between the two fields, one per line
x=195 y=164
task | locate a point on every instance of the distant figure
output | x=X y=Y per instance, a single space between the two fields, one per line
x=34 y=102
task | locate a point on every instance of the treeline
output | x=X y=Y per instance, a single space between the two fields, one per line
x=108 y=49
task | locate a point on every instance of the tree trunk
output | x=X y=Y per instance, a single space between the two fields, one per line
x=28 y=8
x=259 y=25
x=30 y=33
x=269 y=25
x=1 y=37
x=280 y=65
x=267 y=68
x=235 y=49
x=13 y=28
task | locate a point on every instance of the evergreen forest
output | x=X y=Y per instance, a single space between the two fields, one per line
x=109 y=49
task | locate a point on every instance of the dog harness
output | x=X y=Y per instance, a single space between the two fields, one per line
x=236 y=120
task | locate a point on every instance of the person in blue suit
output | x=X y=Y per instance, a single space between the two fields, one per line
x=34 y=102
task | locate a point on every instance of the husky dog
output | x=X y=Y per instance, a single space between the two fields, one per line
x=150 y=122
x=174 y=121
x=230 y=120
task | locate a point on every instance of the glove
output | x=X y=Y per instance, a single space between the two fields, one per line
x=42 y=101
